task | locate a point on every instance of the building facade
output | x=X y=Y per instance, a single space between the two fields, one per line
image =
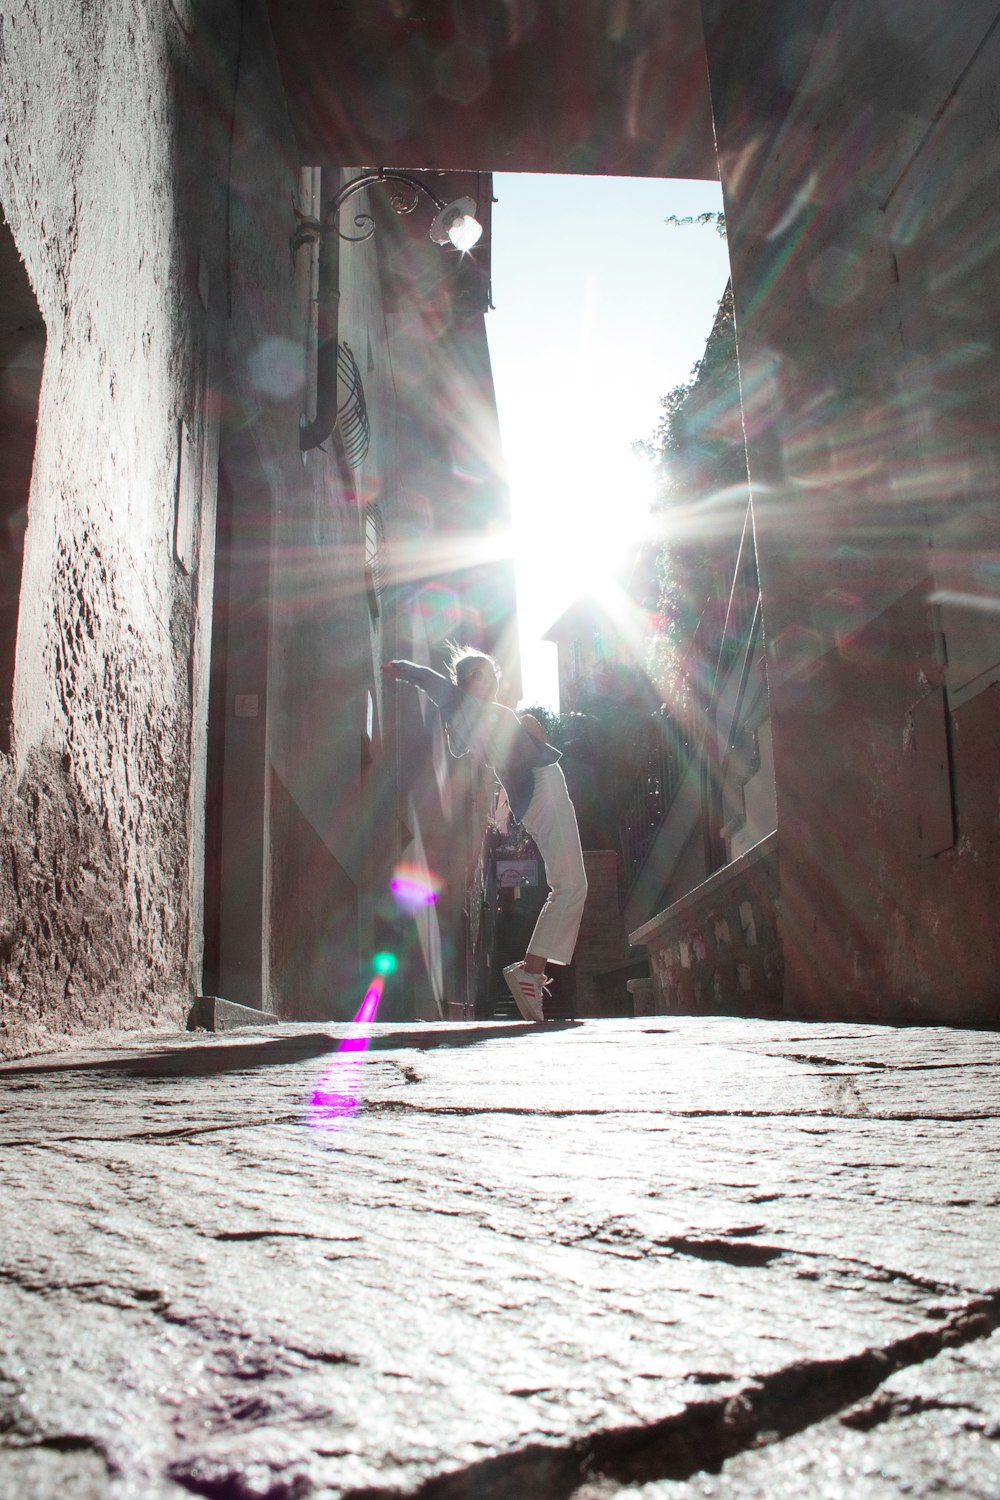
x=854 y=145
x=242 y=472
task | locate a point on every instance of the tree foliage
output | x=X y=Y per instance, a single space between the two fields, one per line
x=716 y=219
x=698 y=453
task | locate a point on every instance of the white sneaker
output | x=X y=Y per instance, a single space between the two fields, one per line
x=528 y=990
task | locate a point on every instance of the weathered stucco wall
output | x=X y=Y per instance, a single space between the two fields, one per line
x=93 y=864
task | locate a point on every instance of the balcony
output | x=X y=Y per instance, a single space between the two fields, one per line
x=717 y=949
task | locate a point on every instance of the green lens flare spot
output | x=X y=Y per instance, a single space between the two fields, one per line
x=385 y=963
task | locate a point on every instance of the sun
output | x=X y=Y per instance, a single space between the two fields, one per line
x=576 y=528
x=576 y=531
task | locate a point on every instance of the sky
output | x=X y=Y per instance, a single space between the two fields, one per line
x=600 y=309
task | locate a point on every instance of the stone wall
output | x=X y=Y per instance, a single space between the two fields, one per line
x=601 y=946
x=717 y=950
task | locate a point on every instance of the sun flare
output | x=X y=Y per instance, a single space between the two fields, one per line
x=579 y=531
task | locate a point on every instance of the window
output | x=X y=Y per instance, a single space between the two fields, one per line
x=374 y=557
x=368 y=737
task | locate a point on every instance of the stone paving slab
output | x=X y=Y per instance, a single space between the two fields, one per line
x=931 y=1429
x=570 y=1261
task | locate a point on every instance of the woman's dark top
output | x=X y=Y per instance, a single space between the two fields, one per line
x=490 y=729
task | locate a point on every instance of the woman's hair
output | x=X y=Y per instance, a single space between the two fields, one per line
x=459 y=655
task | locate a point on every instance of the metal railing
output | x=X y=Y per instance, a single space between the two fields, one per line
x=352 y=411
x=654 y=790
x=658 y=781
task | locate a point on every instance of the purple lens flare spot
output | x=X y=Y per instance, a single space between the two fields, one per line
x=413 y=886
x=337 y=1094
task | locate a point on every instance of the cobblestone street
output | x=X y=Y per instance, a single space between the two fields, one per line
x=653 y=1258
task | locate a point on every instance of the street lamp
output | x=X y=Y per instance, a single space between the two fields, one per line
x=455 y=223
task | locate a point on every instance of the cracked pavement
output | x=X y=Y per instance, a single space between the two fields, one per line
x=622 y=1260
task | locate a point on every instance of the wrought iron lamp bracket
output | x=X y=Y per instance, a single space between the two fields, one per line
x=404 y=197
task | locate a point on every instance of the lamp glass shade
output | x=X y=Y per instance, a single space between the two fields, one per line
x=457 y=225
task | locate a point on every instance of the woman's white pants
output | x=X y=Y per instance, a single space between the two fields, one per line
x=551 y=821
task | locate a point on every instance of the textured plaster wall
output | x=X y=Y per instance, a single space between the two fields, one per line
x=93 y=863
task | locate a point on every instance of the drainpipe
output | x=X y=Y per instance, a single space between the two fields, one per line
x=312 y=434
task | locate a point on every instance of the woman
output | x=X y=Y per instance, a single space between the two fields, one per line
x=529 y=772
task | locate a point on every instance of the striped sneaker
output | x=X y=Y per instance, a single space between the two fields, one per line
x=528 y=990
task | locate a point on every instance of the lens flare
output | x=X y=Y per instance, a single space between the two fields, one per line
x=440 y=608
x=415 y=886
x=275 y=368
x=338 y=1093
x=385 y=964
